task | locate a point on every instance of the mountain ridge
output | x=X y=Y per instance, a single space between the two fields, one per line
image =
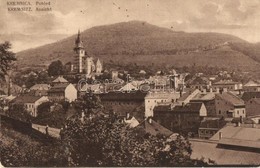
x=127 y=41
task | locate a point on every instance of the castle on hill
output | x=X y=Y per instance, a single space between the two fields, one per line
x=84 y=63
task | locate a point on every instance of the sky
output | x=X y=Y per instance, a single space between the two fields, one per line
x=31 y=29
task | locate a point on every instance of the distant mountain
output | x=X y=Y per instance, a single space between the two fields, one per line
x=143 y=43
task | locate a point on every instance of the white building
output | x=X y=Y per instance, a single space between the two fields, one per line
x=155 y=98
x=30 y=103
x=66 y=92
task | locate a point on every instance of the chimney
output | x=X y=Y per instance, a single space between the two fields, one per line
x=220 y=135
x=150 y=120
x=210 y=89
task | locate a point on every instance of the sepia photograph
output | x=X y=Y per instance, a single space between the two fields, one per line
x=129 y=83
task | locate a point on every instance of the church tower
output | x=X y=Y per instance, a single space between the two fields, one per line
x=80 y=53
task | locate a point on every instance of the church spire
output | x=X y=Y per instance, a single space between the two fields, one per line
x=78 y=41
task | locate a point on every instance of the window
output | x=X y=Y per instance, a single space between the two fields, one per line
x=219 y=111
x=237 y=112
x=243 y=111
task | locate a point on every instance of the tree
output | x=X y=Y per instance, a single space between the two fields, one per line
x=103 y=141
x=55 y=68
x=6 y=58
x=52 y=114
x=89 y=103
x=19 y=112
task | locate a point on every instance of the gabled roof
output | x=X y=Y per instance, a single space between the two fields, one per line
x=26 y=99
x=154 y=128
x=239 y=136
x=249 y=95
x=204 y=96
x=60 y=79
x=252 y=83
x=59 y=88
x=229 y=97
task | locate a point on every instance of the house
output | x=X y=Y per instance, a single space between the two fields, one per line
x=180 y=118
x=30 y=102
x=210 y=126
x=166 y=82
x=154 y=128
x=208 y=99
x=152 y=99
x=40 y=89
x=252 y=86
x=199 y=82
x=63 y=91
x=253 y=107
x=249 y=95
x=228 y=85
x=122 y=102
x=229 y=105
